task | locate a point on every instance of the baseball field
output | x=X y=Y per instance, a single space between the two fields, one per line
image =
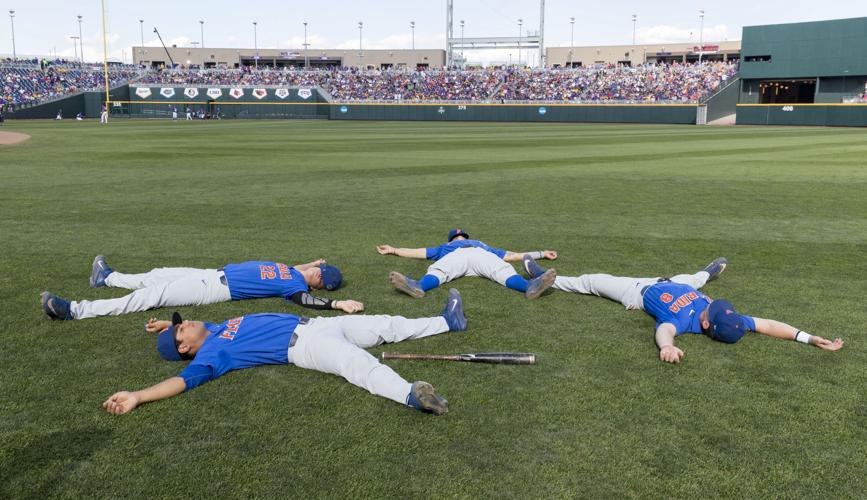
x=598 y=416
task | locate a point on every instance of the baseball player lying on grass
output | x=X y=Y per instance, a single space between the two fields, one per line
x=183 y=286
x=461 y=256
x=330 y=345
x=679 y=307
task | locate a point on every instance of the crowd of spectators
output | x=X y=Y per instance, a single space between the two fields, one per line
x=662 y=83
x=31 y=82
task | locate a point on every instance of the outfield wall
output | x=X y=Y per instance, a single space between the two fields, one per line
x=300 y=102
x=834 y=115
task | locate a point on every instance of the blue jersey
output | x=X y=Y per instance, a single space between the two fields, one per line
x=679 y=305
x=251 y=340
x=260 y=279
x=437 y=253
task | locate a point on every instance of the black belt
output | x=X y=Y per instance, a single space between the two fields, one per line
x=660 y=280
x=223 y=280
x=303 y=320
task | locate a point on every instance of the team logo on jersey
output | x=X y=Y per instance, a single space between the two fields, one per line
x=237 y=93
x=167 y=92
x=260 y=93
x=231 y=328
x=192 y=93
x=666 y=297
x=143 y=92
x=282 y=93
x=214 y=93
x=305 y=93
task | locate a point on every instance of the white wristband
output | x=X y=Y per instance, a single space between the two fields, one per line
x=802 y=337
x=537 y=255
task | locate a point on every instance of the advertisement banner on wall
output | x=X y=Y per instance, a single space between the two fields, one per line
x=167 y=92
x=260 y=93
x=305 y=93
x=237 y=92
x=215 y=93
x=143 y=92
x=192 y=93
x=282 y=93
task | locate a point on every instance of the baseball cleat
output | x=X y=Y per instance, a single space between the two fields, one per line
x=99 y=272
x=405 y=285
x=715 y=268
x=540 y=284
x=423 y=397
x=453 y=312
x=533 y=269
x=55 y=307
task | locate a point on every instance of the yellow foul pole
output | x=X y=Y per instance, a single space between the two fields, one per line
x=105 y=56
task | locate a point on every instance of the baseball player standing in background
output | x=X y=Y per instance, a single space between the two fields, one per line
x=330 y=345
x=679 y=307
x=461 y=256
x=183 y=286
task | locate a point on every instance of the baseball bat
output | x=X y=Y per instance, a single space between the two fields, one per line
x=502 y=358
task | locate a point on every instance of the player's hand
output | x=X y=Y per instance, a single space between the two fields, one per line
x=385 y=249
x=670 y=354
x=120 y=403
x=154 y=325
x=349 y=306
x=318 y=262
x=826 y=344
x=550 y=254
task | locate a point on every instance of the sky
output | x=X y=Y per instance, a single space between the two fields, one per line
x=43 y=27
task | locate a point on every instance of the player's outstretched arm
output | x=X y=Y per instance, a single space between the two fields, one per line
x=668 y=352
x=410 y=253
x=304 y=267
x=539 y=254
x=125 y=402
x=780 y=330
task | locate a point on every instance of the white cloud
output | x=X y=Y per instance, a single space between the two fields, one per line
x=674 y=34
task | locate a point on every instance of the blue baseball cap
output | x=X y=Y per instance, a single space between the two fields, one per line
x=166 y=344
x=454 y=233
x=726 y=325
x=331 y=277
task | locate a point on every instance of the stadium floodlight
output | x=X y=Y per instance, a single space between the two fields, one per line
x=634 y=19
x=463 y=60
x=255 y=45
x=80 y=42
x=202 y=34
x=360 y=50
x=520 y=24
x=74 y=44
x=306 y=61
x=701 y=35
x=414 y=58
x=571 y=40
x=141 y=27
x=12 y=20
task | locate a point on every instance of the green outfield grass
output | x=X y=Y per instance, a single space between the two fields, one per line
x=598 y=416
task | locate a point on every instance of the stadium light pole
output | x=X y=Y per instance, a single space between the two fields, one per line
x=360 y=50
x=701 y=35
x=414 y=58
x=463 y=60
x=520 y=34
x=632 y=51
x=255 y=45
x=80 y=42
x=306 y=62
x=12 y=20
x=202 y=33
x=141 y=27
x=74 y=44
x=571 y=39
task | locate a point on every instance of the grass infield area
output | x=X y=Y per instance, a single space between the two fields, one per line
x=598 y=415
